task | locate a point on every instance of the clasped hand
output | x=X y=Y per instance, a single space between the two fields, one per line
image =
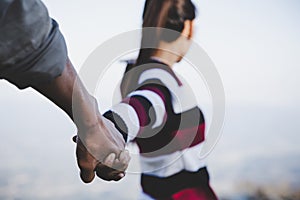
x=101 y=150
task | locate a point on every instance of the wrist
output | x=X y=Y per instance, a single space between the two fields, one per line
x=86 y=113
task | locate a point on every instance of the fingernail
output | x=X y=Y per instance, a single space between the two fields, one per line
x=112 y=156
x=122 y=175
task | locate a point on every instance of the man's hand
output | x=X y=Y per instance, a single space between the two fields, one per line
x=100 y=149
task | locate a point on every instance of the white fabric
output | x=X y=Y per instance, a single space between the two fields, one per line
x=167 y=165
x=180 y=101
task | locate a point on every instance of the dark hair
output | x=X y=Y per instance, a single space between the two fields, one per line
x=166 y=14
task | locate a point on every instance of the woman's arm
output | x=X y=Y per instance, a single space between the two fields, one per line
x=145 y=107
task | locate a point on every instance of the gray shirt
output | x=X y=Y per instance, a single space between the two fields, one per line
x=32 y=49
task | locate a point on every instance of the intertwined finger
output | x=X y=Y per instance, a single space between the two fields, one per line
x=112 y=168
x=122 y=162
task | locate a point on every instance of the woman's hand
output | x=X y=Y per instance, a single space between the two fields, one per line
x=100 y=150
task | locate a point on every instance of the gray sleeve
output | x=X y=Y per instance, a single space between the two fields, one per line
x=32 y=48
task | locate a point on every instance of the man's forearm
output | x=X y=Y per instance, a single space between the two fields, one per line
x=68 y=92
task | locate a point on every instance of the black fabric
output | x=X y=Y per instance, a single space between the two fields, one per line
x=132 y=73
x=154 y=141
x=118 y=122
x=160 y=188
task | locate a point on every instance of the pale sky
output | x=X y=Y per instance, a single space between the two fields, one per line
x=255 y=46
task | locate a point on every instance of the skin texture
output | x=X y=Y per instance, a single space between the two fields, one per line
x=100 y=147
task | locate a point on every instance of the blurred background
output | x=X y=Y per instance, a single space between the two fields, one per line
x=255 y=46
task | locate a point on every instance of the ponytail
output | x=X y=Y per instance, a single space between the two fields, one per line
x=150 y=37
x=167 y=14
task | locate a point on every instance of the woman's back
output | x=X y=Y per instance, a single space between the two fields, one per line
x=169 y=130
